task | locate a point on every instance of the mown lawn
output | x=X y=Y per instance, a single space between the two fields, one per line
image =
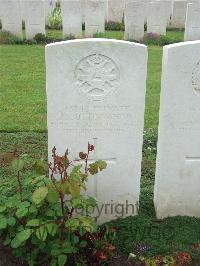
x=23 y=125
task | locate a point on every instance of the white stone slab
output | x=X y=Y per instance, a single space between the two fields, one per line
x=192 y=25
x=34 y=17
x=115 y=10
x=71 y=17
x=177 y=185
x=99 y=93
x=156 y=18
x=134 y=20
x=179 y=14
x=11 y=17
x=94 y=17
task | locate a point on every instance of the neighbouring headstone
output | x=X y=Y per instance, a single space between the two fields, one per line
x=71 y=18
x=168 y=10
x=115 y=10
x=98 y=91
x=177 y=183
x=134 y=20
x=179 y=14
x=94 y=17
x=34 y=17
x=156 y=18
x=192 y=25
x=11 y=17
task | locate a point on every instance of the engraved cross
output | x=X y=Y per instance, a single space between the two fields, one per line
x=96 y=157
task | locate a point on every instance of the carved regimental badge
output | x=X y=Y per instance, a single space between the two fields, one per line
x=96 y=76
x=196 y=78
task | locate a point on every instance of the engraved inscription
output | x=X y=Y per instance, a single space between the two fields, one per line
x=87 y=119
x=97 y=75
x=196 y=78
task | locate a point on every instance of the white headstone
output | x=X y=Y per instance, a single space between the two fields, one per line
x=11 y=17
x=179 y=14
x=177 y=185
x=156 y=18
x=134 y=20
x=168 y=10
x=94 y=17
x=192 y=26
x=71 y=17
x=99 y=93
x=34 y=17
x=115 y=10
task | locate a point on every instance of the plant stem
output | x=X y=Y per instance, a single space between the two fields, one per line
x=20 y=185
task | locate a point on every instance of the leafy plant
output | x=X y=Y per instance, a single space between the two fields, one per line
x=114 y=26
x=38 y=220
x=55 y=19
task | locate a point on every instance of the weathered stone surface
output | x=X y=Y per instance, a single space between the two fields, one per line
x=192 y=26
x=134 y=20
x=179 y=14
x=71 y=17
x=177 y=183
x=11 y=17
x=94 y=17
x=34 y=12
x=96 y=94
x=156 y=18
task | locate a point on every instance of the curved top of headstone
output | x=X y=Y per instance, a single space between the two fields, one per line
x=181 y=44
x=96 y=40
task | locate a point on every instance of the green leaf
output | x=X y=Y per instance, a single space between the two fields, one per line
x=21 y=212
x=77 y=202
x=7 y=241
x=93 y=169
x=72 y=224
x=2 y=208
x=11 y=221
x=33 y=209
x=52 y=229
x=102 y=165
x=52 y=196
x=23 y=235
x=62 y=260
x=15 y=243
x=74 y=189
x=50 y=213
x=91 y=202
x=68 y=248
x=83 y=244
x=39 y=195
x=3 y=222
x=18 y=164
x=41 y=233
x=33 y=223
x=24 y=204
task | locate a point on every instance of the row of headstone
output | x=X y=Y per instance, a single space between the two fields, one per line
x=34 y=17
x=32 y=12
x=98 y=87
x=72 y=17
x=192 y=26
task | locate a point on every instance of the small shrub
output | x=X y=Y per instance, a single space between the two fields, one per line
x=114 y=26
x=40 y=38
x=38 y=217
x=69 y=37
x=8 y=38
x=55 y=19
